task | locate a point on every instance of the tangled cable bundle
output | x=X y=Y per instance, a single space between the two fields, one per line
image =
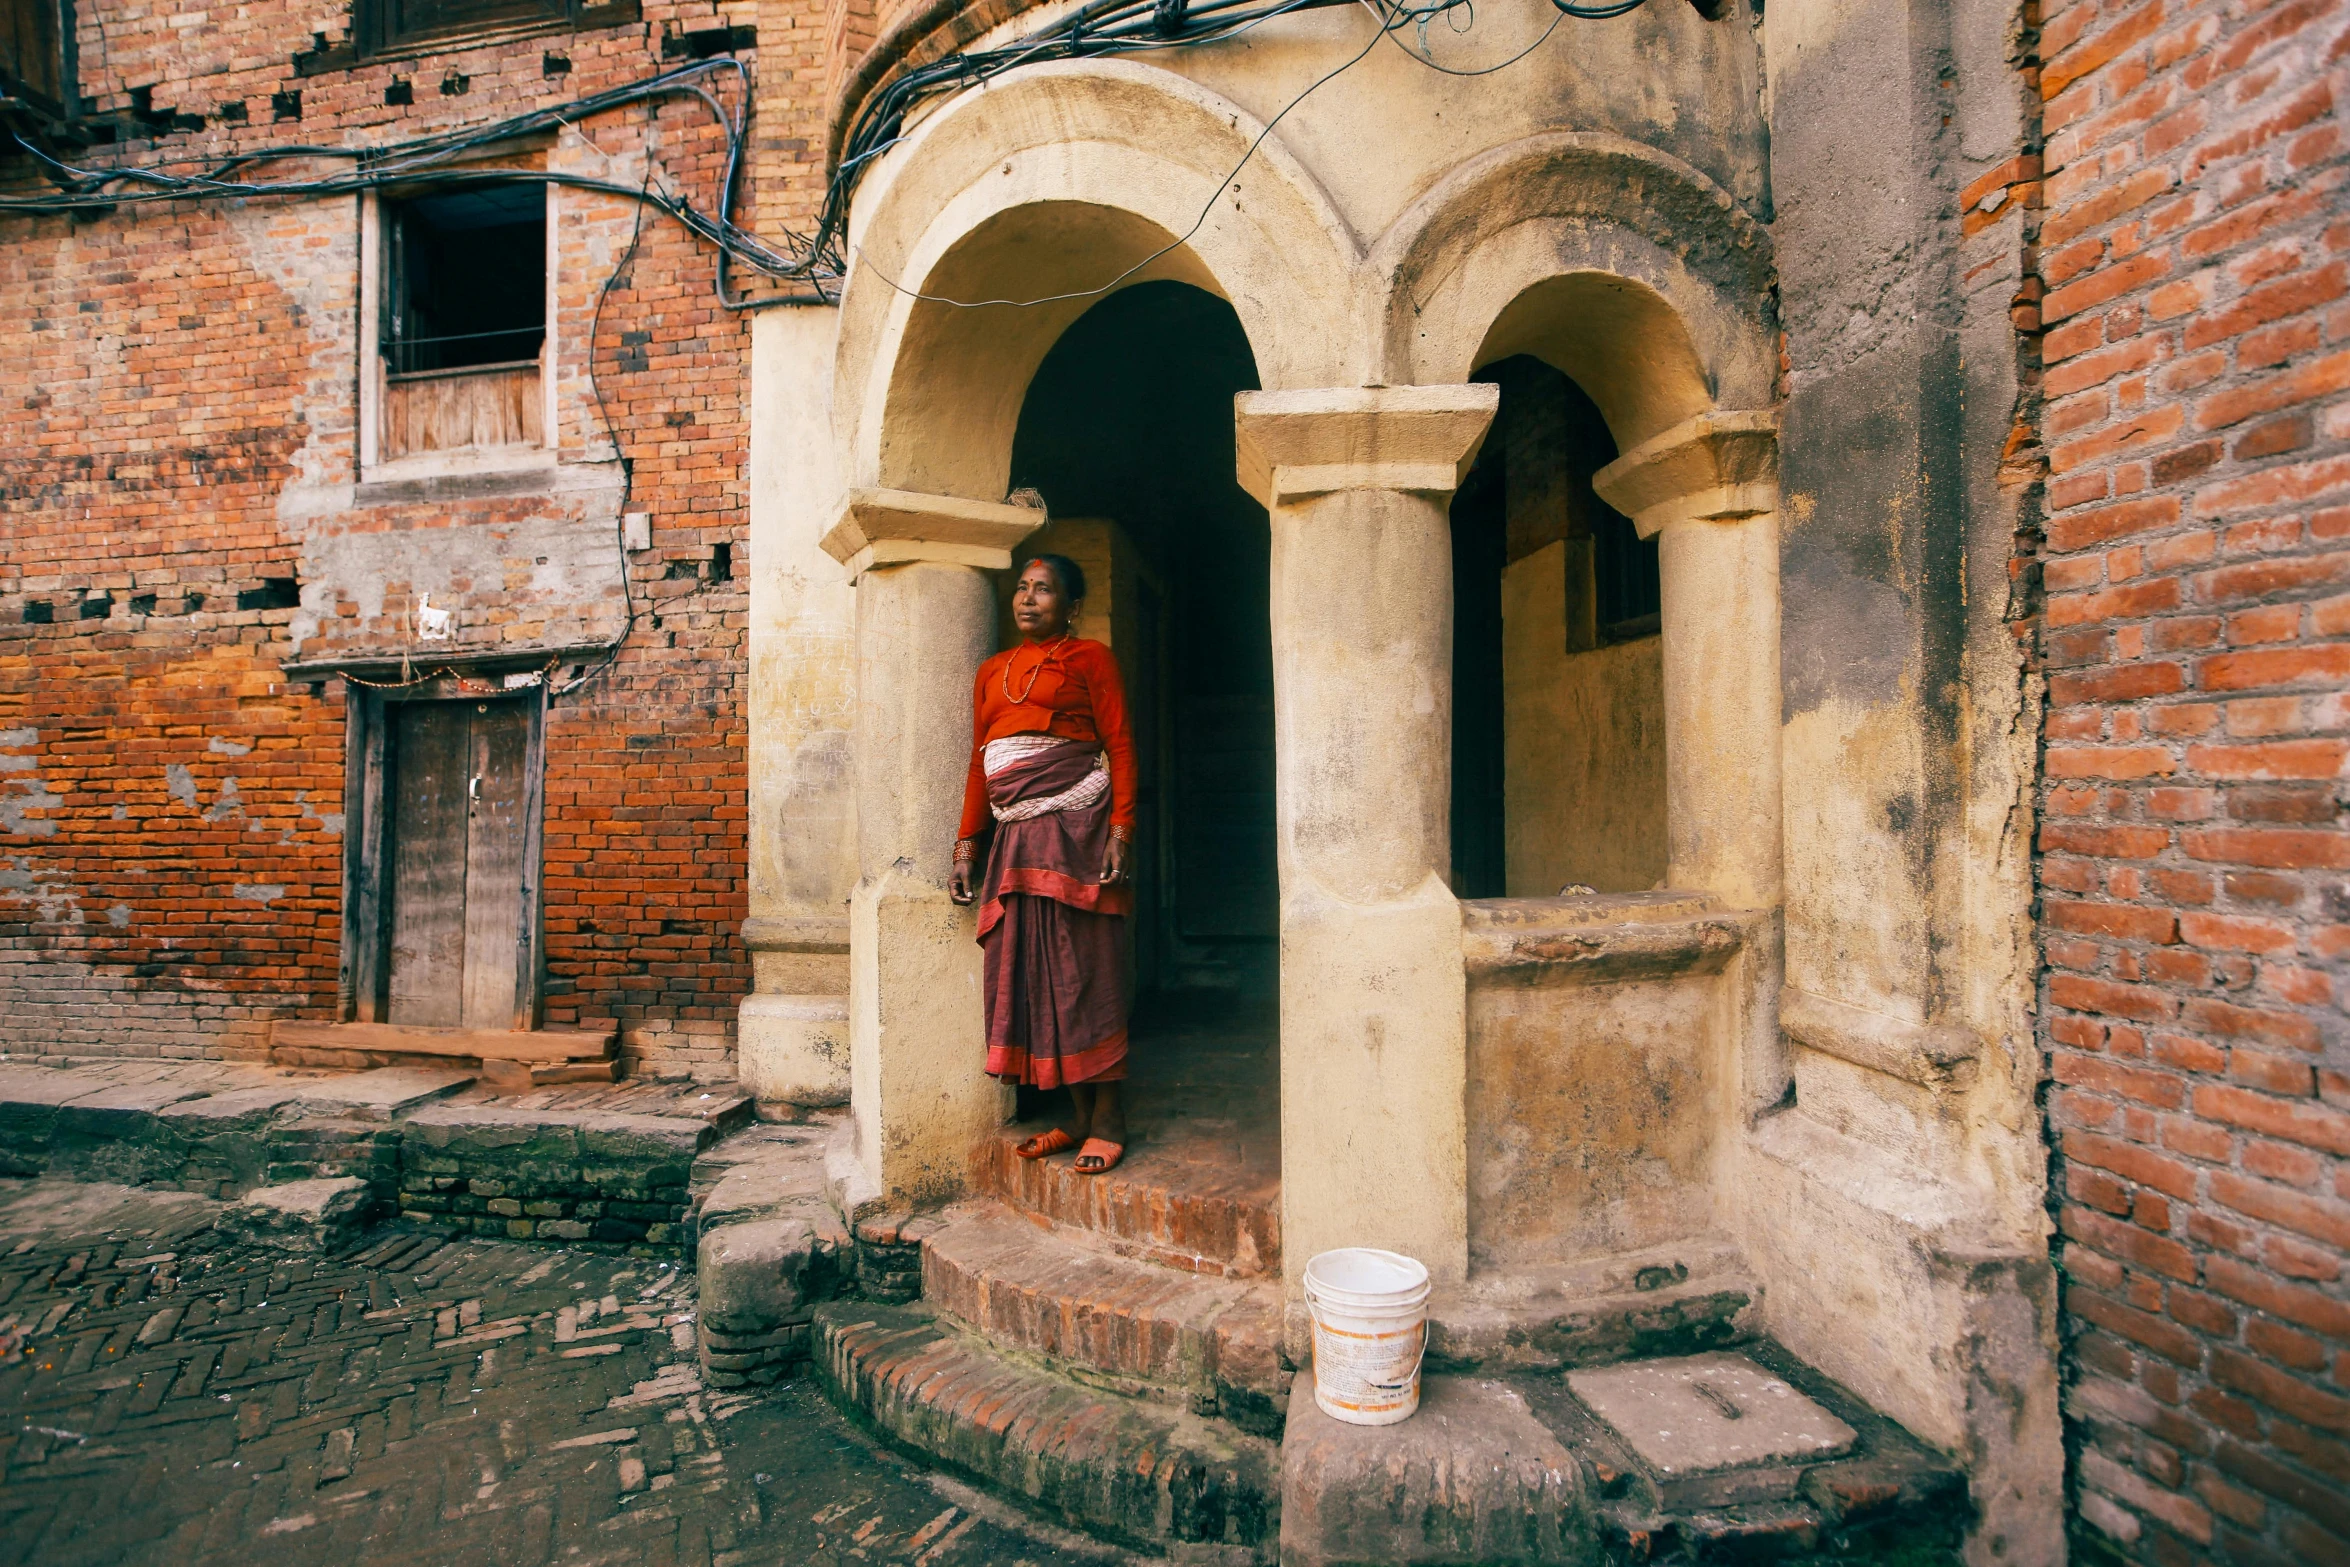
x=815 y=260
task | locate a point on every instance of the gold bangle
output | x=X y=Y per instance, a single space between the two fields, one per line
x=1123 y=835
x=966 y=850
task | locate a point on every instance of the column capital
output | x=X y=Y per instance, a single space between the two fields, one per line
x=1293 y=445
x=893 y=527
x=1717 y=467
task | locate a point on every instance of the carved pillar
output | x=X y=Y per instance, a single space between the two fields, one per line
x=925 y=619
x=1357 y=482
x=1708 y=490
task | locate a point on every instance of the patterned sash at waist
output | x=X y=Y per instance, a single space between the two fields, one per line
x=1034 y=775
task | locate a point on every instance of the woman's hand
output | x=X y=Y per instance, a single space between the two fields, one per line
x=1119 y=862
x=959 y=884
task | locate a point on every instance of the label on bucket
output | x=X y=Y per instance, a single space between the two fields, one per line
x=1367 y=1373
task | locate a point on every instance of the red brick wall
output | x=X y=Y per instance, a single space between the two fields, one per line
x=178 y=387
x=2195 y=868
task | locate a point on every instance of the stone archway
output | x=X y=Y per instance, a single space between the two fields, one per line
x=995 y=225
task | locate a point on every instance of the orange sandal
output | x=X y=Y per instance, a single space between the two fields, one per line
x=1103 y=1153
x=1044 y=1144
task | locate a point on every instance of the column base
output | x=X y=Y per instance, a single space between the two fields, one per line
x=794 y=1049
x=919 y=1090
x=1374 y=1056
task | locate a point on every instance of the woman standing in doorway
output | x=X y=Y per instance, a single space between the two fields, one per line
x=1052 y=786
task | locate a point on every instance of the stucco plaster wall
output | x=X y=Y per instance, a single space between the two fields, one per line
x=1898 y=1218
x=1597 y=1112
x=1583 y=745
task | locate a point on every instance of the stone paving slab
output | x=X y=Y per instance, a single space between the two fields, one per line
x=1695 y=1414
x=416 y=1401
x=216 y=1111
x=378 y=1095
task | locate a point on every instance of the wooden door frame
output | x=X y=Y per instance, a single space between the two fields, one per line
x=364 y=973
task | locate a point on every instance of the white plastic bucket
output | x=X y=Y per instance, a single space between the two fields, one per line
x=1370 y=1312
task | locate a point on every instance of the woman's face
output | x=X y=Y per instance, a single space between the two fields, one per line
x=1039 y=607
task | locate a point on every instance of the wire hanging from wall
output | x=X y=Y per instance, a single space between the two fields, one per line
x=815 y=259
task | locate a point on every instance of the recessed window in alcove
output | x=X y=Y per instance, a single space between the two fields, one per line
x=1558 y=673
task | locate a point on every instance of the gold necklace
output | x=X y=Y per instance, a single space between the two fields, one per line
x=1043 y=659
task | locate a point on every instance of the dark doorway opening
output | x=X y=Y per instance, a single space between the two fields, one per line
x=1127 y=433
x=1558 y=725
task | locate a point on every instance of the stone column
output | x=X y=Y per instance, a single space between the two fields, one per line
x=792 y=1032
x=1374 y=1031
x=1708 y=491
x=918 y=1095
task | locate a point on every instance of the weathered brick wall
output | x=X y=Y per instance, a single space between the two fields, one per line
x=2193 y=863
x=179 y=387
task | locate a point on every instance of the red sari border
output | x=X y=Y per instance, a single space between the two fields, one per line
x=1094 y=897
x=1102 y=1063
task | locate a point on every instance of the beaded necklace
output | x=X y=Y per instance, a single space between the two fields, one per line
x=1051 y=652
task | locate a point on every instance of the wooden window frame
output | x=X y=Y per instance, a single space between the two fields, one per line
x=364 y=975
x=375 y=36
x=374 y=376
x=48 y=48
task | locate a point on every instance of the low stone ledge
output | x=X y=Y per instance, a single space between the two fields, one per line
x=1925 y=1054
x=600 y=1176
x=1597 y=939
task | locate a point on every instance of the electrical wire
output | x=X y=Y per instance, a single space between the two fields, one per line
x=1101 y=27
x=814 y=260
x=1171 y=245
x=636 y=234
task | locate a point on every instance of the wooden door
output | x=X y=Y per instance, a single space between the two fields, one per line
x=457 y=859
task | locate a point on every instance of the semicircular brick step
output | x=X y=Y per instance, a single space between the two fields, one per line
x=1136 y=1471
x=1134 y=1327
x=1199 y=1203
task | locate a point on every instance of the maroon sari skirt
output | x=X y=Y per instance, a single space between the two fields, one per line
x=1053 y=933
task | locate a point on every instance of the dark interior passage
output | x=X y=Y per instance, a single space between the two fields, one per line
x=1127 y=433
x=466 y=280
x=1557 y=718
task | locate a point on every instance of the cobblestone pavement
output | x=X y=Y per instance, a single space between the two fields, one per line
x=166 y=1396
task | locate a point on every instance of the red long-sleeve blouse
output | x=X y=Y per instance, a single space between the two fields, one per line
x=1077 y=693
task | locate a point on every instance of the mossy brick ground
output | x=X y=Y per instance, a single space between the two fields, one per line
x=168 y=1395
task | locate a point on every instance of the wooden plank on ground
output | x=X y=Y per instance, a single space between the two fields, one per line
x=483 y=1044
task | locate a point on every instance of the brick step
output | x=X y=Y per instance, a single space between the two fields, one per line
x=1140 y=1473
x=1174 y=1201
x=1210 y=1343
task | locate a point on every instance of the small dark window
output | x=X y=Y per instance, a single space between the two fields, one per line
x=274 y=593
x=36 y=54
x=390 y=24
x=465 y=278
